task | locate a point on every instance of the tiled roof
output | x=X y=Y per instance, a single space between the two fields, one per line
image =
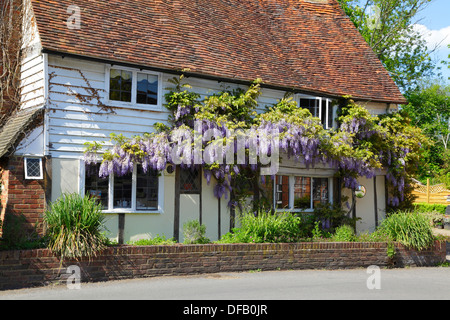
x=11 y=132
x=308 y=45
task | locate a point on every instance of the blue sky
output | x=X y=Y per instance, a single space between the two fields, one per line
x=434 y=23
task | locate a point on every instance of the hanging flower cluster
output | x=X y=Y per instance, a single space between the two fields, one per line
x=225 y=136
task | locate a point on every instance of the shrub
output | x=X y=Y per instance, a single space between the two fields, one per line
x=411 y=229
x=74 y=226
x=266 y=227
x=194 y=233
x=429 y=207
x=344 y=233
x=158 y=240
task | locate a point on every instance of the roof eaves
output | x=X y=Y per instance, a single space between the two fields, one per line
x=14 y=127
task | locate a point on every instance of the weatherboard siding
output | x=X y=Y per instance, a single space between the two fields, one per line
x=32 y=81
x=75 y=117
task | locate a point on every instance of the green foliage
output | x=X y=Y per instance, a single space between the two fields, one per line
x=429 y=109
x=401 y=49
x=265 y=227
x=158 y=240
x=429 y=207
x=333 y=215
x=194 y=233
x=411 y=229
x=344 y=233
x=75 y=227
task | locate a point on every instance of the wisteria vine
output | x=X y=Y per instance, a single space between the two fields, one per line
x=208 y=134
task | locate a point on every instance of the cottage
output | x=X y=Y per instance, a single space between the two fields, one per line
x=90 y=68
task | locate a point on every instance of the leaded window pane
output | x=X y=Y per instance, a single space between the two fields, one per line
x=190 y=181
x=146 y=189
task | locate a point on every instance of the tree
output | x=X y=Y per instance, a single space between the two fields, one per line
x=429 y=109
x=387 y=26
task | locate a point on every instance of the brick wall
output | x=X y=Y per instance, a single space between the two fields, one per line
x=39 y=267
x=23 y=201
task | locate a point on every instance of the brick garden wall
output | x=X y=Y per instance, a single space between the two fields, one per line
x=28 y=268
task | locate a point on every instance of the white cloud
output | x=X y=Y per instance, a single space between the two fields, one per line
x=434 y=38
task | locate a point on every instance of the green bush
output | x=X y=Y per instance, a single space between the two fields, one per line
x=74 y=226
x=158 y=240
x=344 y=233
x=411 y=229
x=266 y=227
x=194 y=233
x=429 y=207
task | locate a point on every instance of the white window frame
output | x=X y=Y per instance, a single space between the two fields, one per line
x=41 y=171
x=133 y=208
x=291 y=192
x=329 y=108
x=133 y=104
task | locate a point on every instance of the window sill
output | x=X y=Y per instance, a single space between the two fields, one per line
x=295 y=210
x=130 y=211
x=135 y=106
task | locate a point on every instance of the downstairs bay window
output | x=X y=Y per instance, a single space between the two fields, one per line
x=138 y=191
x=297 y=193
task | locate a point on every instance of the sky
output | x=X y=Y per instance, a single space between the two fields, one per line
x=434 y=23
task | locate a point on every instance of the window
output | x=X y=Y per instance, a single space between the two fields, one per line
x=298 y=192
x=320 y=108
x=302 y=192
x=95 y=186
x=282 y=192
x=132 y=86
x=146 y=190
x=122 y=191
x=33 y=168
x=147 y=89
x=190 y=182
x=120 y=83
x=133 y=192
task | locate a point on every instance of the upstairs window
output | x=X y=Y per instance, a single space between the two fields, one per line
x=135 y=87
x=147 y=88
x=120 y=83
x=320 y=108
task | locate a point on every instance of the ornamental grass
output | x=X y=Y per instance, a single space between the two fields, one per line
x=75 y=227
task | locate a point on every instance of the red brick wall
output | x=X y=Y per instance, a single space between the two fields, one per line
x=22 y=197
x=39 y=267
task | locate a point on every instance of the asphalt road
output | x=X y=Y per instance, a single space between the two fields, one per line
x=356 y=284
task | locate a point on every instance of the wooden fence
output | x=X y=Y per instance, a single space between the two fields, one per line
x=436 y=194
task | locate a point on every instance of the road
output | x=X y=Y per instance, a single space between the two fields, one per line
x=404 y=284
